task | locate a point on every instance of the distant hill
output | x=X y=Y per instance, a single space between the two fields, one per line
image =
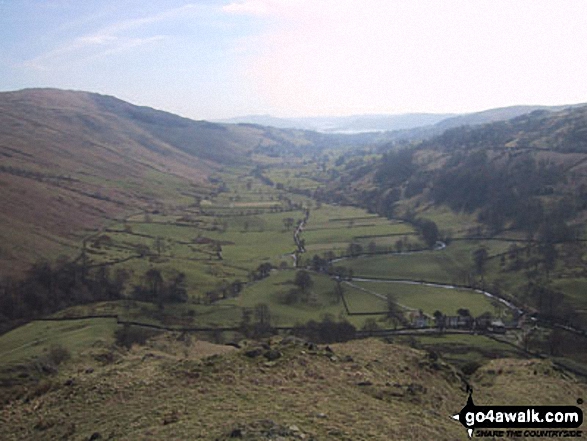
x=535 y=158
x=72 y=161
x=410 y=126
x=522 y=180
x=346 y=124
x=469 y=119
x=493 y=115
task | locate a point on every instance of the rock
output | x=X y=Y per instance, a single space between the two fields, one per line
x=294 y=428
x=236 y=433
x=48 y=369
x=292 y=340
x=95 y=436
x=321 y=415
x=252 y=353
x=415 y=388
x=272 y=354
x=172 y=417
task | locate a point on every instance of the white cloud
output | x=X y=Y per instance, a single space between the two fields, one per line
x=87 y=48
x=109 y=40
x=252 y=7
x=96 y=40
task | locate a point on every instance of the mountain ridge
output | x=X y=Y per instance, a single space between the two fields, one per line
x=407 y=125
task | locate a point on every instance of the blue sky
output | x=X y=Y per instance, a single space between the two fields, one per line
x=216 y=59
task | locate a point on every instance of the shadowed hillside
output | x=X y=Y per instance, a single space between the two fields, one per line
x=73 y=160
x=522 y=182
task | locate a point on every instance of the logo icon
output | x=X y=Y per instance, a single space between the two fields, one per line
x=474 y=417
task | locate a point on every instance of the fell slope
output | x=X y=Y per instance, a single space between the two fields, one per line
x=521 y=182
x=363 y=390
x=70 y=161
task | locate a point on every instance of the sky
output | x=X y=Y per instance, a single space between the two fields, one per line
x=212 y=59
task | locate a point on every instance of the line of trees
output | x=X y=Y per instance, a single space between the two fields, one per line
x=154 y=288
x=47 y=288
x=328 y=330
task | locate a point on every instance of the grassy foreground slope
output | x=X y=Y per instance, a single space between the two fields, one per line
x=179 y=389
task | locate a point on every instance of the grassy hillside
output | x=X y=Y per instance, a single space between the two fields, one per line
x=514 y=192
x=180 y=388
x=74 y=161
x=191 y=225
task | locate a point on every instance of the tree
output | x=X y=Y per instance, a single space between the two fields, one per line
x=548 y=301
x=263 y=270
x=354 y=249
x=262 y=314
x=438 y=319
x=370 y=326
x=341 y=272
x=394 y=311
x=262 y=325
x=178 y=289
x=292 y=296
x=143 y=250
x=319 y=264
x=236 y=287
x=464 y=312
x=550 y=255
x=480 y=256
x=302 y=245
x=429 y=231
x=288 y=222
x=159 y=245
x=303 y=280
x=338 y=291
x=155 y=282
x=246 y=320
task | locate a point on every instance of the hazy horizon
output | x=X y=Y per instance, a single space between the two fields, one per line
x=216 y=59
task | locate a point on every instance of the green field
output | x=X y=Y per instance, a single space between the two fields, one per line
x=449 y=266
x=221 y=237
x=463 y=349
x=272 y=291
x=36 y=338
x=430 y=299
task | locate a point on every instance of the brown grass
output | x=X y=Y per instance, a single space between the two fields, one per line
x=177 y=388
